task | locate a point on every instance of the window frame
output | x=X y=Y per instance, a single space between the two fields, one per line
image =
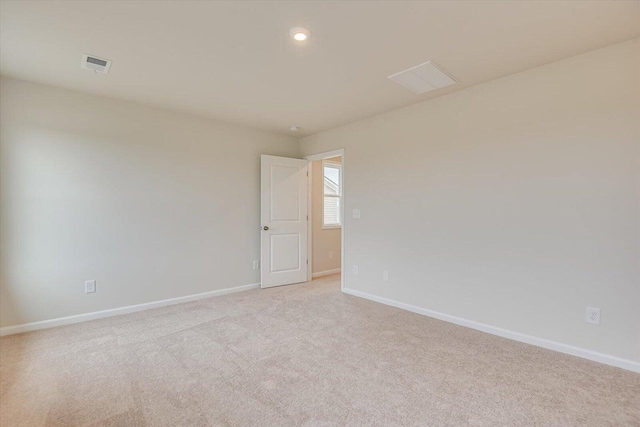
x=337 y=165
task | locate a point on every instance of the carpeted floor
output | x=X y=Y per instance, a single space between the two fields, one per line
x=303 y=355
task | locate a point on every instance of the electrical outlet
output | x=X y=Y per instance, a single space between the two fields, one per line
x=330 y=254
x=593 y=315
x=89 y=286
x=355 y=270
x=385 y=275
x=356 y=214
x=256 y=264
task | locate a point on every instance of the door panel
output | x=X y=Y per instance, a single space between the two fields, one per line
x=284 y=221
x=284 y=252
x=285 y=200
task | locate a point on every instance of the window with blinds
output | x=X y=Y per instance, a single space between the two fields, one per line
x=332 y=173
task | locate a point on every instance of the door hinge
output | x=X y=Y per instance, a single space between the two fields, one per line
x=307 y=173
x=307 y=217
x=307 y=262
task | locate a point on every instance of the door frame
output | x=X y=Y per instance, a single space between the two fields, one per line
x=311 y=158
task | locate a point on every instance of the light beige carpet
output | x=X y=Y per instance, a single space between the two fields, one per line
x=303 y=355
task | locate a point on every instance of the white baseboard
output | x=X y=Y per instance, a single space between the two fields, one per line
x=326 y=273
x=44 y=324
x=539 y=342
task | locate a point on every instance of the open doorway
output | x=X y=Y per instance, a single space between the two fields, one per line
x=326 y=214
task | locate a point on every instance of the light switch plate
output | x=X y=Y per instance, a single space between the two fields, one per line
x=385 y=275
x=355 y=270
x=356 y=214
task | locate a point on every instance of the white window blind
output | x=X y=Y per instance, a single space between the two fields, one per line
x=332 y=173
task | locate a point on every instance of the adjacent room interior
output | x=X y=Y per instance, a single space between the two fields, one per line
x=325 y=180
x=286 y=213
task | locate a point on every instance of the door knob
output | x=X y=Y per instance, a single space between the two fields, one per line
x=265 y=228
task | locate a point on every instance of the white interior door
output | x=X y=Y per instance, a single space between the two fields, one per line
x=284 y=221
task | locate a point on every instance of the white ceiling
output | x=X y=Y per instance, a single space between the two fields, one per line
x=235 y=61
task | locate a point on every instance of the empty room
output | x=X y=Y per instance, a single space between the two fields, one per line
x=319 y=213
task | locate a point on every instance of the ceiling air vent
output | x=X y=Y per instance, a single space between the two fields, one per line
x=423 y=78
x=96 y=64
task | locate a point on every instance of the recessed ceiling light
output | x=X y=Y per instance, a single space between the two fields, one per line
x=299 y=34
x=294 y=128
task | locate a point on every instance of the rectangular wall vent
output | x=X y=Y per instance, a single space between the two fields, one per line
x=93 y=63
x=423 y=78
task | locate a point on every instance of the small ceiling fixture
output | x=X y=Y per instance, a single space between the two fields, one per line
x=95 y=64
x=299 y=34
x=294 y=128
x=423 y=78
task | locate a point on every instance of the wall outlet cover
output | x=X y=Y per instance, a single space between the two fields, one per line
x=356 y=214
x=256 y=264
x=89 y=286
x=593 y=315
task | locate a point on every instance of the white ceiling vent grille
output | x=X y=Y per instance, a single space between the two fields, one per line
x=423 y=78
x=93 y=63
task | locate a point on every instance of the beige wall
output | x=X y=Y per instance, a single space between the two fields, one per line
x=324 y=241
x=515 y=203
x=150 y=203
